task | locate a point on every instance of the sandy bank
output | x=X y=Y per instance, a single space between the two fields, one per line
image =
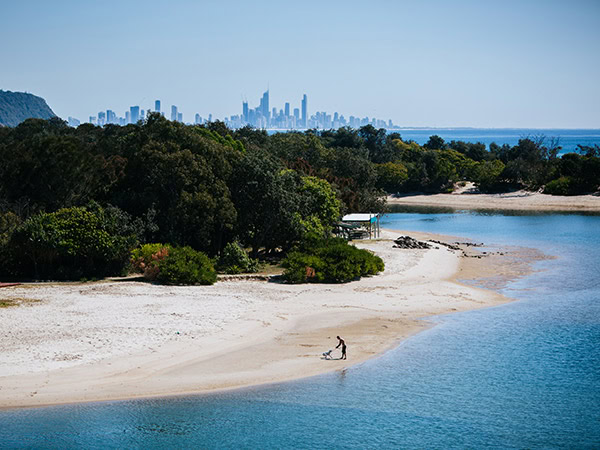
x=115 y=340
x=520 y=200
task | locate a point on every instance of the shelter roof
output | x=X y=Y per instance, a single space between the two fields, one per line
x=360 y=217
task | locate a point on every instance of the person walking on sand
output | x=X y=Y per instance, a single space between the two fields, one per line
x=343 y=344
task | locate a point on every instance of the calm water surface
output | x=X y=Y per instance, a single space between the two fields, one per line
x=567 y=139
x=521 y=375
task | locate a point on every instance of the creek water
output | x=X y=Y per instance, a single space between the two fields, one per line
x=522 y=375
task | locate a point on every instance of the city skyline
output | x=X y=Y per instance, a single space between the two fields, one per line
x=260 y=117
x=433 y=63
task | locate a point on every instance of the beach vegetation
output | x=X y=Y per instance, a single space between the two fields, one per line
x=234 y=259
x=70 y=243
x=206 y=186
x=145 y=259
x=329 y=261
x=186 y=266
x=561 y=186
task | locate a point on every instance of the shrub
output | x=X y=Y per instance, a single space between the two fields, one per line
x=561 y=186
x=71 y=243
x=146 y=259
x=234 y=259
x=330 y=261
x=184 y=265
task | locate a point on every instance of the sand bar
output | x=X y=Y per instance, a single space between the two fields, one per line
x=74 y=342
x=517 y=201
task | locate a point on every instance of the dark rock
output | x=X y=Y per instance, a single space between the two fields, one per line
x=409 y=243
x=450 y=246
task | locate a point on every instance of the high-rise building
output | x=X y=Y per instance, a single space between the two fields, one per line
x=305 y=111
x=127 y=117
x=101 y=118
x=174 y=113
x=111 y=117
x=179 y=117
x=134 y=114
x=287 y=109
x=197 y=119
x=264 y=103
x=245 y=111
x=157 y=105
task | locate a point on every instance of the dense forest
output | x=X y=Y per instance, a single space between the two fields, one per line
x=15 y=107
x=85 y=197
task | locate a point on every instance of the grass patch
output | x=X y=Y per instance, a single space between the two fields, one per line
x=17 y=301
x=270 y=269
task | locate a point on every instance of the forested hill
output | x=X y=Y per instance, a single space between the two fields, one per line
x=15 y=107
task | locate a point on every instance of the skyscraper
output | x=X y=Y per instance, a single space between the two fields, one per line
x=180 y=117
x=134 y=114
x=157 y=105
x=287 y=109
x=245 y=111
x=264 y=103
x=174 y=113
x=305 y=111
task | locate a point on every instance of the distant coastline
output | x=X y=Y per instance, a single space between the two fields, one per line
x=517 y=201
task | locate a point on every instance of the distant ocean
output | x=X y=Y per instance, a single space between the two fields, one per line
x=567 y=138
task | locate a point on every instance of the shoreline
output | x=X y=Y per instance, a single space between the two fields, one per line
x=511 y=201
x=161 y=341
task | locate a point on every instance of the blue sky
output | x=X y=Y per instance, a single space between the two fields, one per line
x=420 y=63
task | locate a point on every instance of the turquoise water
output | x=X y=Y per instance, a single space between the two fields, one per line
x=521 y=375
x=567 y=139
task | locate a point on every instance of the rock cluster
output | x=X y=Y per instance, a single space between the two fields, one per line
x=469 y=244
x=408 y=242
x=450 y=246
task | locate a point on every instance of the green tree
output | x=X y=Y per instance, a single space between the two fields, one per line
x=69 y=244
x=391 y=176
x=321 y=208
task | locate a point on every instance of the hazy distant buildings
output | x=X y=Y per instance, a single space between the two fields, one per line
x=262 y=116
x=134 y=114
x=305 y=111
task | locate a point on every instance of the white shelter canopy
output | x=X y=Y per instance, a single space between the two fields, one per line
x=365 y=218
x=359 y=217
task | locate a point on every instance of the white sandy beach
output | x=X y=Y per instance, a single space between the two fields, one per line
x=76 y=342
x=519 y=200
